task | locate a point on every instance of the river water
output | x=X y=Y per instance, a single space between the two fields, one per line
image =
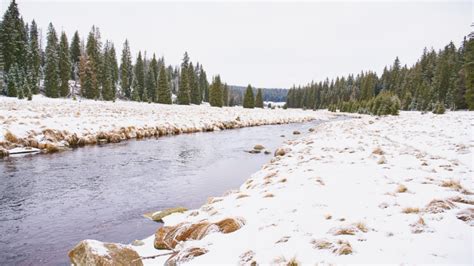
x=50 y=202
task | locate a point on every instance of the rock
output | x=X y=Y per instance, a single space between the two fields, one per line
x=296 y=132
x=311 y=130
x=258 y=147
x=282 y=136
x=92 y=252
x=267 y=152
x=280 y=152
x=254 y=151
x=138 y=243
x=167 y=237
x=158 y=216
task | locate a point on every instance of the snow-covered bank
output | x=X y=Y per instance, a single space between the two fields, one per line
x=47 y=123
x=389 y=190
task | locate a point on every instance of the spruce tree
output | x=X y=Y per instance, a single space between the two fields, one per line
x=150 y=85
x=259 y=99
x=468 y=69
x=13 y=38
x=126 y=70
x=93 y=50
x=215 y=92
x=12 y=81
x=194 y=85
x=87 y=77
x=139 y=78
x=108 y=75
x=34 y=58
x=64 y=66
x=225 y=95
x=183 y=91
x=249 y=101
x=51 y=72
x=114 y=69
x=164 y=91
x=75 y=52
x=153 y=69
x=203 y=85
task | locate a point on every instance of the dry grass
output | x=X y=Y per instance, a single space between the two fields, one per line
x=10 y=137
x=439 y=206
x=269 y=195
x=241 y=196
x=283 y=180
x=328 y=216
x=463 y=200
x=453 y=184
x=322 y=244
x=410 y=210
x=401 y=189
x=292 y=262
x=378 y=151
x=362 y=227
x=344 y=231
x=344 y=248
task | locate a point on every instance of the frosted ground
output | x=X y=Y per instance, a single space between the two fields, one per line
x=369 y=190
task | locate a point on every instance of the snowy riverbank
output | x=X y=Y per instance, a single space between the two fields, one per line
x=51 y=124
x=389 y=190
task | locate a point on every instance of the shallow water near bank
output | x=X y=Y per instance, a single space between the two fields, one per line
x=50 y=202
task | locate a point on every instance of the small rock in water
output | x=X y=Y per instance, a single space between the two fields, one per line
x=254 y=151
x=258 y=147
x=138 y=243
x=296 y=132
x=267 y=152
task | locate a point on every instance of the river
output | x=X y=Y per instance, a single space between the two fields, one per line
x=50 y=202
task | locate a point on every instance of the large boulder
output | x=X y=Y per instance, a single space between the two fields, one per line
x=92 y=252
x=167 y=237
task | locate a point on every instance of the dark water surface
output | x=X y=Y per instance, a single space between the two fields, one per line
x=49 y=202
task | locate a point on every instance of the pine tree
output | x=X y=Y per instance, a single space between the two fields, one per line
x=183 y=92
x=164 y=91
x=249 y=101
x=152 y=79
x=150 y=85
x=75 y=51
x=12 y=81
x=203 y=85
x=195 y=94
x=51 y=72
x=13 y=38
x=126 y=71
x=468 y=69
x=215 y=92
x=64 y=66
x=93 y=50
x=34 y=58
x=139 y=77
x=225 y=95
x=108 y=90
x=259 y=99
x=87 y=77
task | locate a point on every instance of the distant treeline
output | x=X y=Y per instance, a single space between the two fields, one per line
x=437 y=80
x=269 y=94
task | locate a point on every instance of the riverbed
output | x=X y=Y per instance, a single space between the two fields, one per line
x=50 y=202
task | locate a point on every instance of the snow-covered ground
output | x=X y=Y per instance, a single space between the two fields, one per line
x=394 y=189
x=45 y=120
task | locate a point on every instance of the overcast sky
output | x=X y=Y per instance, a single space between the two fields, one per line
x=267 y=44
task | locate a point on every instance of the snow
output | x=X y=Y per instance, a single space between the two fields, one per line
x=332 y=180
x=97 y=247
x=27 y=119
